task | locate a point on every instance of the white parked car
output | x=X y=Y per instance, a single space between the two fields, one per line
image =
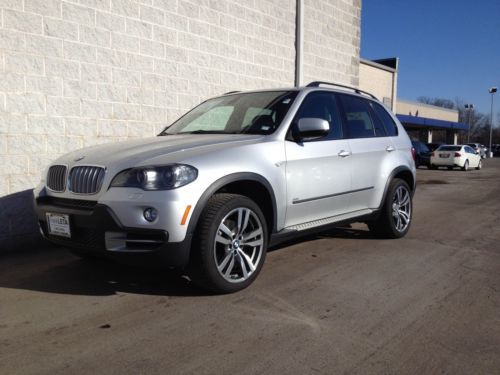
x=451 y=156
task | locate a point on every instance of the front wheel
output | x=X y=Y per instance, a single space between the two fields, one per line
x=396 y=212
x=479 y=165
x=230 y=244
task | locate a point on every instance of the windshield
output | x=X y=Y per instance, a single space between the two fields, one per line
x=250 y=113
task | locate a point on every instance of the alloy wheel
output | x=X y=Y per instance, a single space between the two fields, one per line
x=401 y=208
x=238 y=244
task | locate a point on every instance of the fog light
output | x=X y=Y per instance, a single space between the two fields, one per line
x=150 y=214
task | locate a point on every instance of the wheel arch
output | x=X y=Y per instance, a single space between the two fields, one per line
x=403 y=173
x=251 y=185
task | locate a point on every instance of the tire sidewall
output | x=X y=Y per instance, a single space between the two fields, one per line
x=206 y=245
x=395 y=184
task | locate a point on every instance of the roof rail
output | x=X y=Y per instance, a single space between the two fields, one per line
x=356 y=90
x=231 y=92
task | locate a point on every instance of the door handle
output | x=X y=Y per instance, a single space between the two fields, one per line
x=390 y=149
x=344 y=154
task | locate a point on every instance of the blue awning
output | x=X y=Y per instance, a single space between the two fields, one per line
x=431 y=123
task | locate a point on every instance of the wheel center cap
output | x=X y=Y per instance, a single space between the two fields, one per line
x=236 y=244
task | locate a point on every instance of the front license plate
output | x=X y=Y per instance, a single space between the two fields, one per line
x=444 y=155
x=58 y=224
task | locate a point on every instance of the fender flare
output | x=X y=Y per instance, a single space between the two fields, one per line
x=391 y=177
x=223 y=181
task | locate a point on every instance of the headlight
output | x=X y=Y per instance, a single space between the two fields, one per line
x=156 y=178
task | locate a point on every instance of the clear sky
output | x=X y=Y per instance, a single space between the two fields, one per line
x=447 y=48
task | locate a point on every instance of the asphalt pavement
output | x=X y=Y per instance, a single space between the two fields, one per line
x=340 y=302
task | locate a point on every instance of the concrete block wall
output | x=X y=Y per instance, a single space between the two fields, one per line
x=377 y=81
x=412 y=108
x=332 y=30
x=75 y=73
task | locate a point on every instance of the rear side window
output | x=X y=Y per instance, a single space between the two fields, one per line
x=389 y=124
x=321 y=104
x=359 y=118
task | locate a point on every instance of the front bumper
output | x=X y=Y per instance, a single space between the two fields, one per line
x=95 y=229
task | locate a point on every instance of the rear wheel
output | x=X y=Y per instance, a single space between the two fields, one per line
x=479 y=165
x=466 y=166
x=396 y=213
x=230 y=244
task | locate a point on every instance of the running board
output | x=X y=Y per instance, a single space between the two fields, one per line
x=329 y=220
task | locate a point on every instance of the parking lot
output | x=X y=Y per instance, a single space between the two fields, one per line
x=339 y=302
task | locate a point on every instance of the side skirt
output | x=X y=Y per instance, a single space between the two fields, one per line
x=292 y=233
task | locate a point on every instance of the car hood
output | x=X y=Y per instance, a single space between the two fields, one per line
x=139 y=151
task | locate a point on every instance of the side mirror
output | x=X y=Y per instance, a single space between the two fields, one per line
x=312 y=128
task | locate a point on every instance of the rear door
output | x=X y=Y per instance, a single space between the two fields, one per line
x=472 y=156
x=318 y=171
x=372 y=148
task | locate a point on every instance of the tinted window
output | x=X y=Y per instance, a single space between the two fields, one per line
x=421 y=147
x=389 y=124
x=320 y=104
x=358 y=118
x=449 y=148
x=469 y=150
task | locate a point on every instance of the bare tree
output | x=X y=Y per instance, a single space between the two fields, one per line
x=438 y=102
x=479 y=122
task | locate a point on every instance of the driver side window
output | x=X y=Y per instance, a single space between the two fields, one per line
x=321 y=104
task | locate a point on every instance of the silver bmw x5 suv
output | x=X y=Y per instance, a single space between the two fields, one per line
x=235 y=175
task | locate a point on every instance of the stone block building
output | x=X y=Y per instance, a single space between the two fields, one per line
x=76 y=73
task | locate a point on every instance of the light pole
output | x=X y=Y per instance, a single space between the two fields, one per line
x=469 y=108
x=492 y=91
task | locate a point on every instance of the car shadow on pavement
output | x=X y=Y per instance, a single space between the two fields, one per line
x=55 y=270
x=346 y=232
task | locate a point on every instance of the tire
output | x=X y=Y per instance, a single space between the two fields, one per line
x=465 y=168
x=432 y=166
x=480 y=165
x=225 y=258
x=396 y=213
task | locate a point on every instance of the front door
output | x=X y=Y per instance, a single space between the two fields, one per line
x=318 y=171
